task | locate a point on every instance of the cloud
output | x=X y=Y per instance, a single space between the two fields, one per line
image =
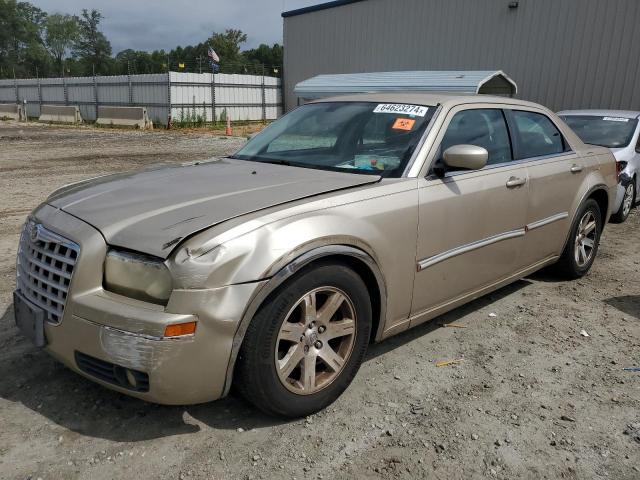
x=163 y=24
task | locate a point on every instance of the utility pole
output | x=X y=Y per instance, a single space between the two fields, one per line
x=129 y=82
x=264 y=99
x=95 y=91
x=15 y=85
x=39 y=91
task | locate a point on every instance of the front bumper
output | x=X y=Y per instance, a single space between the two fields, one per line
x=128 y=334
x=181 y=370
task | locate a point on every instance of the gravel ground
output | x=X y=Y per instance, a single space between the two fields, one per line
x=531 y=398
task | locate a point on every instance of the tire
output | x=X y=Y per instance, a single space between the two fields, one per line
x=281 y=341
x=628 y=201
x=572 y=263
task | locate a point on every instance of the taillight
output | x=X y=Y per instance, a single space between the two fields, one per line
x=620 y=166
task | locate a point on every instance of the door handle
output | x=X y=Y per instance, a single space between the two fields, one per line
x=576 y=168
x=516 y=182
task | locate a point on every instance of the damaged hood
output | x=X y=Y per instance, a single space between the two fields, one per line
x=152 y=211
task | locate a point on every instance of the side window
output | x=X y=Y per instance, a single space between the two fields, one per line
x=485 y=128
x=537 y=135
x=638 y=145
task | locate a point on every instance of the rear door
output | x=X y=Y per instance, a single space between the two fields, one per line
x=555 y=174
x=471 y=223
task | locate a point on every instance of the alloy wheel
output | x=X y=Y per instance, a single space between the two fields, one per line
x=585 y=241
x=315 y=340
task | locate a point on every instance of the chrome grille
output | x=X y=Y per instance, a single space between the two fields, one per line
x=44 y=269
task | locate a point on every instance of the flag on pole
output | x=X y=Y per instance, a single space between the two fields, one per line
x=211 y=53
x=213 y=56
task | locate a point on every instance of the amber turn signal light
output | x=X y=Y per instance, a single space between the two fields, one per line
x=180 y=329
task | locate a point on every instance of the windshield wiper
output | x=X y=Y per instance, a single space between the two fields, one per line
x=277 y=162
x=262 y=160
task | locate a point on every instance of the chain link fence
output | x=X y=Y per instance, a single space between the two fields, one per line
x=132 y=64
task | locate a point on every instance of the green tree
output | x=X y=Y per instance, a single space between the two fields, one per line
x=21 y=48
x=227 y=45
x=269 y=57
x=92 y=47
x=136 y=62
x=61 y=35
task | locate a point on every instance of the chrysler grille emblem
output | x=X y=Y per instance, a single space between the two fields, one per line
x=34 y=233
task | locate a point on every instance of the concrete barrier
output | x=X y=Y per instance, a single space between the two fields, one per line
x=124 y=117
x=12 y=111
x=60 y=114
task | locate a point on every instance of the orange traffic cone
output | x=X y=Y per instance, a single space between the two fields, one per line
x=229 y=131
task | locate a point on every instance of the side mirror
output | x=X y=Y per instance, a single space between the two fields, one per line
x=468 y=157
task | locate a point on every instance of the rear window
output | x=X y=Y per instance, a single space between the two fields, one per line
x=538 y=136
x=610 y=132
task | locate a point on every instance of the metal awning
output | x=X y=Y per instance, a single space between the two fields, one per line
x=494 y=82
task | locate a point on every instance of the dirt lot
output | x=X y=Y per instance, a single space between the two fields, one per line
x=532 y=397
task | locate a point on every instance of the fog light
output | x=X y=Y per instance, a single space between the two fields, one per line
x=131 y=379
x=180 y=329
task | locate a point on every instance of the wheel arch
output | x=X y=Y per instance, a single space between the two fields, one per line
x=359 y=260
x=599 y=193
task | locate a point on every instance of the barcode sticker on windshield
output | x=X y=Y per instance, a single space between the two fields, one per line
x=616 y=119
x=416 y=110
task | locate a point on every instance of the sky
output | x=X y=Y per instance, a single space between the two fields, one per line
x=164 y=24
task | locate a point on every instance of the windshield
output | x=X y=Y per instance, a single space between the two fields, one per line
x=610 y=132
x=359 y=137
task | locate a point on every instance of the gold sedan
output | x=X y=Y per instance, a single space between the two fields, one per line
x=346 y=221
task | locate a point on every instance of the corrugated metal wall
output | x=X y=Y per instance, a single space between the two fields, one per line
x=561 y=53
x=243 y=97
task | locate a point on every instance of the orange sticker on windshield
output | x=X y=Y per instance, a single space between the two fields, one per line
x=403 y=124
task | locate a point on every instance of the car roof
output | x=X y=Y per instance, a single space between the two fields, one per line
x=602 y=113
x=427 y=98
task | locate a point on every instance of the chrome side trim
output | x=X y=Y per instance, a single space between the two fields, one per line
x=520 y=232
x=547 y=221
x=454 y=252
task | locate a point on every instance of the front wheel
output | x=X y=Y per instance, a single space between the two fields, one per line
x=627 y=203
x=306 y=343
x=584 y=238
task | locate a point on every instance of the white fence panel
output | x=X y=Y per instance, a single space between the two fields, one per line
x=241 y=97
x=81 y=92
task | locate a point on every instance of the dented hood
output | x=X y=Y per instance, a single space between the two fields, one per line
x=151 y=211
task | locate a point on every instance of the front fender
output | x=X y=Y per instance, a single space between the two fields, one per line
x=287 y=271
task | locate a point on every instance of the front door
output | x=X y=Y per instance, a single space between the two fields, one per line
x=471 y=223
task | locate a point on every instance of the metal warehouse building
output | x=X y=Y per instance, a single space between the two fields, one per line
x=561 y=53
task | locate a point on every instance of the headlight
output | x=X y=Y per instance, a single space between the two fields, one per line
x=137 y=276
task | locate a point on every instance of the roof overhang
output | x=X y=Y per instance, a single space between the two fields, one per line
x=317 y=8
x=484 y=82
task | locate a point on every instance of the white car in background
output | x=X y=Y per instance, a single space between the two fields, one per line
x=618 y=130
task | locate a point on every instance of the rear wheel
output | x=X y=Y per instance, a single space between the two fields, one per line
x=582 y=246
x=627 y=203
x=306 y=343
